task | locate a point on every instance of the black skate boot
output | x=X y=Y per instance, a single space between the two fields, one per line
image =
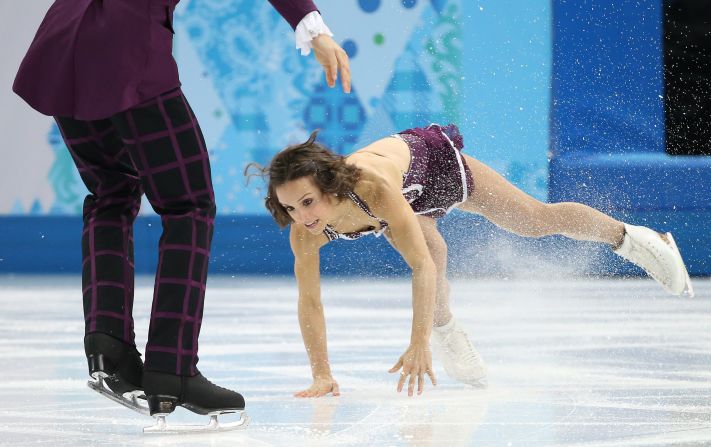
x=164 y=392
x=117 y=370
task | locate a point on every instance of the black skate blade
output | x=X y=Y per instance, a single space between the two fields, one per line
x=132 y=403
x=213 y=426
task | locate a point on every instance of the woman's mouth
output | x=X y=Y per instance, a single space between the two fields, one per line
x=312 y=225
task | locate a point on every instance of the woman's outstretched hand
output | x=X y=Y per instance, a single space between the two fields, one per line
x=320 y=387
x=415 y=363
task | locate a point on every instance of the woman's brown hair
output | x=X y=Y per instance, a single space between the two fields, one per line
x=329 y=171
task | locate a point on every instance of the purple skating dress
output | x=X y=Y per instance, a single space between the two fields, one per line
x=437 y=181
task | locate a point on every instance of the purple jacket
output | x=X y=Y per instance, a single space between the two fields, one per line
x=91 y=58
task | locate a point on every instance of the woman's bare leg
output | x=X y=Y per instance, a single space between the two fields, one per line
x=508 y=207
x=450 y=342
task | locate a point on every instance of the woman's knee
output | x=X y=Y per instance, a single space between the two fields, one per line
x=539 y=222
x=438 y=252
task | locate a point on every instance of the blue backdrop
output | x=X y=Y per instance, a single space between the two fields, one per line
x=571 y=86
x=607 y=125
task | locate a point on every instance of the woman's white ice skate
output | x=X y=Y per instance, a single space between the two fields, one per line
x=461 y=361
x=658 y=255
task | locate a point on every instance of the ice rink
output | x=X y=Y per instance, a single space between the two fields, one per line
x=588 y=362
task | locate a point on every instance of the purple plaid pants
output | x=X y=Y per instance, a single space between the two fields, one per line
x=156 y=148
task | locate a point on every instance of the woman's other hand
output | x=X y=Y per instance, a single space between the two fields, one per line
x=415 y=363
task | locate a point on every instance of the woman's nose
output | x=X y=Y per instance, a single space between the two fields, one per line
x=299 y=216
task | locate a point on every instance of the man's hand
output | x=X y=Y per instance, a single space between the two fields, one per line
x=333 y=59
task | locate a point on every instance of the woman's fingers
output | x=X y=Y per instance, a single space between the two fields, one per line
x=416 y=377
x=331 y=388
x=401 y=382
x=431 y=373
x=415 y=363
x=303 y=393
x=411 y=384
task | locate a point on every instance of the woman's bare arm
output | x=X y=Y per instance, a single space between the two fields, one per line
x=305 y=247
x=406 y=236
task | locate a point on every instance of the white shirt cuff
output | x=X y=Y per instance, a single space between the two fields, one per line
x=310 y=26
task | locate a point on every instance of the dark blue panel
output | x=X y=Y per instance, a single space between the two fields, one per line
x=607 y=77
x=607 y=126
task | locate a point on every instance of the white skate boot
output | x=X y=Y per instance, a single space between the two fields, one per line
x=461 y=361
x=658 y=255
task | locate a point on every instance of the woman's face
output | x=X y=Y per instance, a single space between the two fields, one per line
x=306 y=203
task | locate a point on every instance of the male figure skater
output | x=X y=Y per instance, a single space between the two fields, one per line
x=105 y=71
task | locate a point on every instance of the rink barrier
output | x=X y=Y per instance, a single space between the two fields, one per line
x=253 y=245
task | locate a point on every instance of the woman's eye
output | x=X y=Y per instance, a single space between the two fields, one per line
x=307 y=202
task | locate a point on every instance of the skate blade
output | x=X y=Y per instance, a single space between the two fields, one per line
x=688 y=289
x=132 y=403
x=480 y=383
x=213 y=426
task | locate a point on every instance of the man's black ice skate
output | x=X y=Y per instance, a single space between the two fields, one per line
x=117 y=370
x=164 y=392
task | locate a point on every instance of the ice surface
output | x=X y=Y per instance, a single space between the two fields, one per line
x=571 y=363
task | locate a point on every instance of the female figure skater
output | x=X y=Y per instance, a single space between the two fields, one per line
x=105 y=72
x=398 y=187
